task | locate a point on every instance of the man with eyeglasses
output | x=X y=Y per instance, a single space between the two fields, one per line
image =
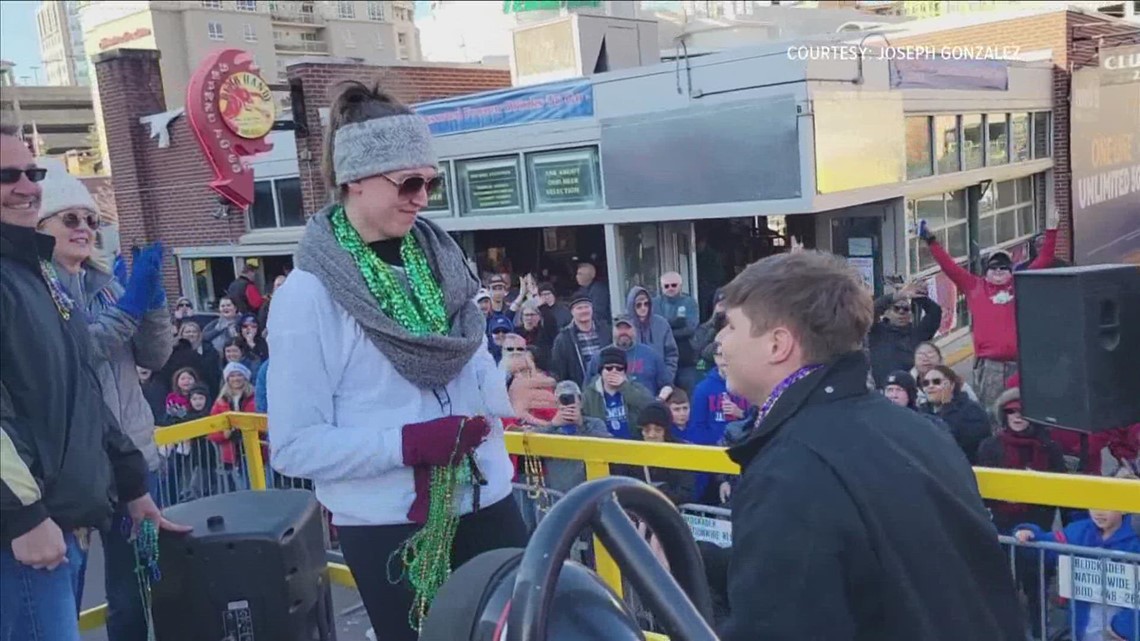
x=990 y=300
x=63 y=456
x=681 y=311
x=893 y=339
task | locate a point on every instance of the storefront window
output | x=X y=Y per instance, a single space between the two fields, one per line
x=562 y=180
x=918 y=154
x=997 y=139
x=973 y=142
x=1019 y=137
x=1008 y=211
x=490 y=186
x=440 y=199
x=640 y=255
x=276 y=203
x=1042 y=133
x=946 y=216
x=946 y=144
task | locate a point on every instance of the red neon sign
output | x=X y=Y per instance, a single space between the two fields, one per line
x=230 y=110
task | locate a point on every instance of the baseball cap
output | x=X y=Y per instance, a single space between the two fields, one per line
x=580 y=297
x=567 y=387
x=482 y=294
x=623 y=319
x=497 y=279
x=998 y=259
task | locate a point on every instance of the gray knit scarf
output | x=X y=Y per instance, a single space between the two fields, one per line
x=430 y=361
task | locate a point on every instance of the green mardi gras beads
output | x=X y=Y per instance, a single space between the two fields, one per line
x=420 y=313
x=426 y=555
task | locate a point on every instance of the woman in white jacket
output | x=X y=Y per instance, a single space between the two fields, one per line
x=381 y=388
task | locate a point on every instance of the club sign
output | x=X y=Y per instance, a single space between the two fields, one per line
x=231 y=110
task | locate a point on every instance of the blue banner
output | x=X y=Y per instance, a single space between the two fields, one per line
x=518 y=106
x=945 y=73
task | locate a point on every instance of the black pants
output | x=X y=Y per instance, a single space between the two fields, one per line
x=368 y=548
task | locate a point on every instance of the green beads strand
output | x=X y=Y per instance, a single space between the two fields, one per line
x=146 y=568
x=420 y=313
x=426 y=556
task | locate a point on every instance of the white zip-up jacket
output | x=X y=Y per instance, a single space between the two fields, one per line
x=337 y=408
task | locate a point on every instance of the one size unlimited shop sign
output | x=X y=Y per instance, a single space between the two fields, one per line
x=1105 y=154
x=231 y=110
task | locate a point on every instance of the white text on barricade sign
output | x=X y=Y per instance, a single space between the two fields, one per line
x=704 y=528
x=1099 y=581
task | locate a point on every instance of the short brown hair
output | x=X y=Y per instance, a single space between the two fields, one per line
x=950 y=375
x=8 y=125
x=678 y=397
x=816 y=295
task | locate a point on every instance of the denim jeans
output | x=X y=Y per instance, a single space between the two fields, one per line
x=41 y=605
x=126 y=620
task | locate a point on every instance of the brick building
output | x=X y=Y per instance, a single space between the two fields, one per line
x=160 y=175
x=1069 y=36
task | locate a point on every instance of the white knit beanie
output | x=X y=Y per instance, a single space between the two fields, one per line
x=62 y=191
x=236 y=368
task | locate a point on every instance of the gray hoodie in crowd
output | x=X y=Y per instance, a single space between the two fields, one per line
x=119 y=343
x=654 y=332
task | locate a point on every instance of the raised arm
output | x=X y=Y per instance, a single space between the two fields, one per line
x=955 y=272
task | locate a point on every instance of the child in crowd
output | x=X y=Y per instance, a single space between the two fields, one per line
x=679 y=409
x=178 y=400
x=190 y=465
x=713 y=406
x=1103 y=529
x=656 y=427
x=236 y=396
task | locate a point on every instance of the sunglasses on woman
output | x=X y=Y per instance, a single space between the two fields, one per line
x=514 y=350
x=71 y=220
x=412 y=185
x=11 y=175
x=933 y=382
x=613 y=368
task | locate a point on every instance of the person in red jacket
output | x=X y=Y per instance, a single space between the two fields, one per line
x=236 y=396
x=990 y=300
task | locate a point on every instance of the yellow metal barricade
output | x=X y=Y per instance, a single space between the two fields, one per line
x=1062 y=490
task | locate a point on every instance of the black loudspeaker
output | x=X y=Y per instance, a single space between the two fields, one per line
x=253 y=568
x=1079 y=345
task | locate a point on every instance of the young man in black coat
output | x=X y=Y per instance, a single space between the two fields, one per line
x=854 y=520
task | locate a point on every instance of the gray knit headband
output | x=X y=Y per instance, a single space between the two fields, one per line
x=380 y=146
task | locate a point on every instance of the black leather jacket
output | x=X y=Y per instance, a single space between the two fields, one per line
x=64 y=455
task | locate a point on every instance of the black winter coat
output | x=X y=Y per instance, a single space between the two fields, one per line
x=566 y=362
x=65 y=456
x=892 y=348
x=857 y=522
x=969 y=423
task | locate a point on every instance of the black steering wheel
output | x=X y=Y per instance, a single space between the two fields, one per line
x=681 y=601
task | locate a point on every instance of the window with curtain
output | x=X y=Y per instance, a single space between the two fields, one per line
x=973 y=142
x=997 y=139
x=919 y=161
x=946 y=146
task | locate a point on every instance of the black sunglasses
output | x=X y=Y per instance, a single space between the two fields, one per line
x=671 y=285
x=71 y=220
x=902 y=309
x=613 y=368
x=514 y=350
x=186 y=305
x=933 y=382
x=11 y=175
x=500 y=331
x=998 y=268
x=412 y=185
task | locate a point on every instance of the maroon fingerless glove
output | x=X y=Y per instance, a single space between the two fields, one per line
x=443 y=441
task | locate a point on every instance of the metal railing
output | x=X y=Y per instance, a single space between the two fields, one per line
x=597 y=454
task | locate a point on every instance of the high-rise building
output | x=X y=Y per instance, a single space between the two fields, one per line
x=275 y=33
x=61 y=44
